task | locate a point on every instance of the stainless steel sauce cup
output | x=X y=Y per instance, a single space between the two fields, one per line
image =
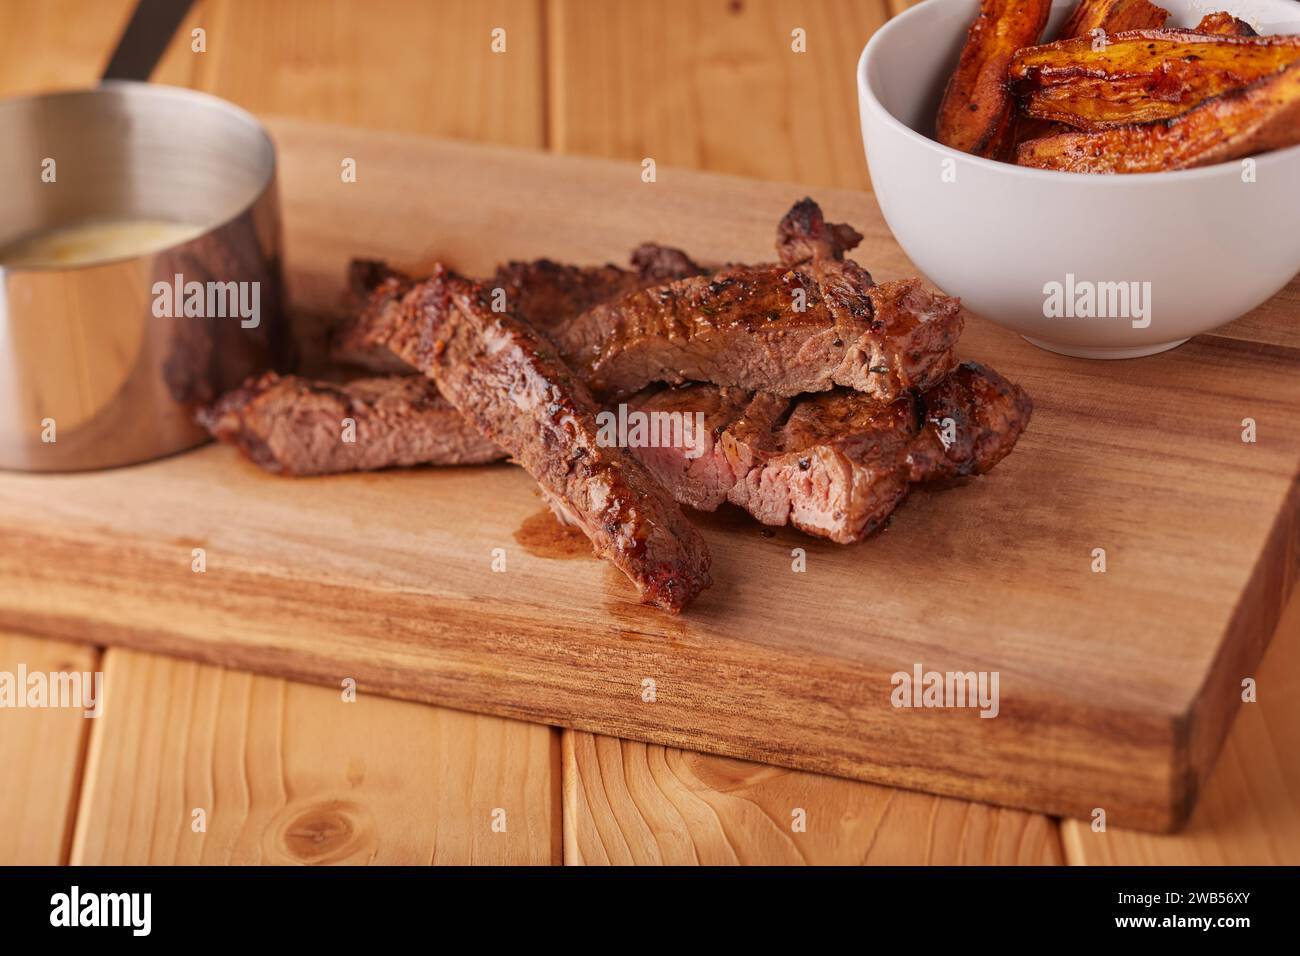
x=104 y=364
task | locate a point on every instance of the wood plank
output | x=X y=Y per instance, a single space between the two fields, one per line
x=404 y=65
x=41 y=752
x=1265 y=325
x=713 y=85
x=384 y=575
x=57 y=44
x=628 y=803
x=1250 y=812
x=314 y=59
x=288 y=773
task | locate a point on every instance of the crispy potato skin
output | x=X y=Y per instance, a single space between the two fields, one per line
x=977 y=110
x=1026 y=128
x=1142 y=52
x=1242 y=122
x=1113 y=16
x=1225 y=25
x=1140 y=76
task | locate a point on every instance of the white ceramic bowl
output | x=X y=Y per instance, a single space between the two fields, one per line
x=1212 y=243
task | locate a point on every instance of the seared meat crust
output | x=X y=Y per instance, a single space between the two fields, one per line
x=836 y=464
x=769 y=328
x=807 y=324
x=541 y=292
x=292 y=426
x=506 y=378
x=546 y=294
x=804 y=235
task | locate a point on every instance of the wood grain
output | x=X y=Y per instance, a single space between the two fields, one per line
x=291 y=774
x=402 y=65
x=1112 y=684
x=41 y=754
x=57 y=44
x=1266 y=324
x=1249 y=814
x=405 y=65
x=628 y=803
x=713 y=84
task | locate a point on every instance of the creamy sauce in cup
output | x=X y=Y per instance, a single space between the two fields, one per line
x=90 y=242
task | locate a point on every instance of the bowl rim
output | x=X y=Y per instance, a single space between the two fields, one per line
x=266 y=183
x=867 y=96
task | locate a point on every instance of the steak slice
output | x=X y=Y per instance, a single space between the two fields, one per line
x=546 y=294
x=701 y=478
x=769 y=328
x=541 y=292
x=365 y=275
x=292 y=426
x=506 y=378
x=835 y=465
x=987 y=415
x=807 y=324
x=804 y=235
x=655 y=263
x=358 y=340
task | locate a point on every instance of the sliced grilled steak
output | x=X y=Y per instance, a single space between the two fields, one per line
x=807 y=324
x=655 y=263
x=769 y=328
x=804 y=235
x=365 y=275
x=292 y=426
x=547 y=294
x=541 y=292
x=751 y=450
x=835 y=468
x=702 y=478
x=836 y=464
x=987 y=415
x=358 y=340
x=507 y=379
x=285 y=425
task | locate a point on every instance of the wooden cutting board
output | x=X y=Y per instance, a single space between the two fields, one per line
x=1115 y=687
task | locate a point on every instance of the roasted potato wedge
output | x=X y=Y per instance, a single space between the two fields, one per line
x=1025 y=128
x=1143 y=53
x=1242 y=122
x=1225 y=25
x=1141 y=76
x=977 y=109
x=1113 y=16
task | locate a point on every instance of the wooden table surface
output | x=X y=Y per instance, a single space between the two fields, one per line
x=283 y=772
